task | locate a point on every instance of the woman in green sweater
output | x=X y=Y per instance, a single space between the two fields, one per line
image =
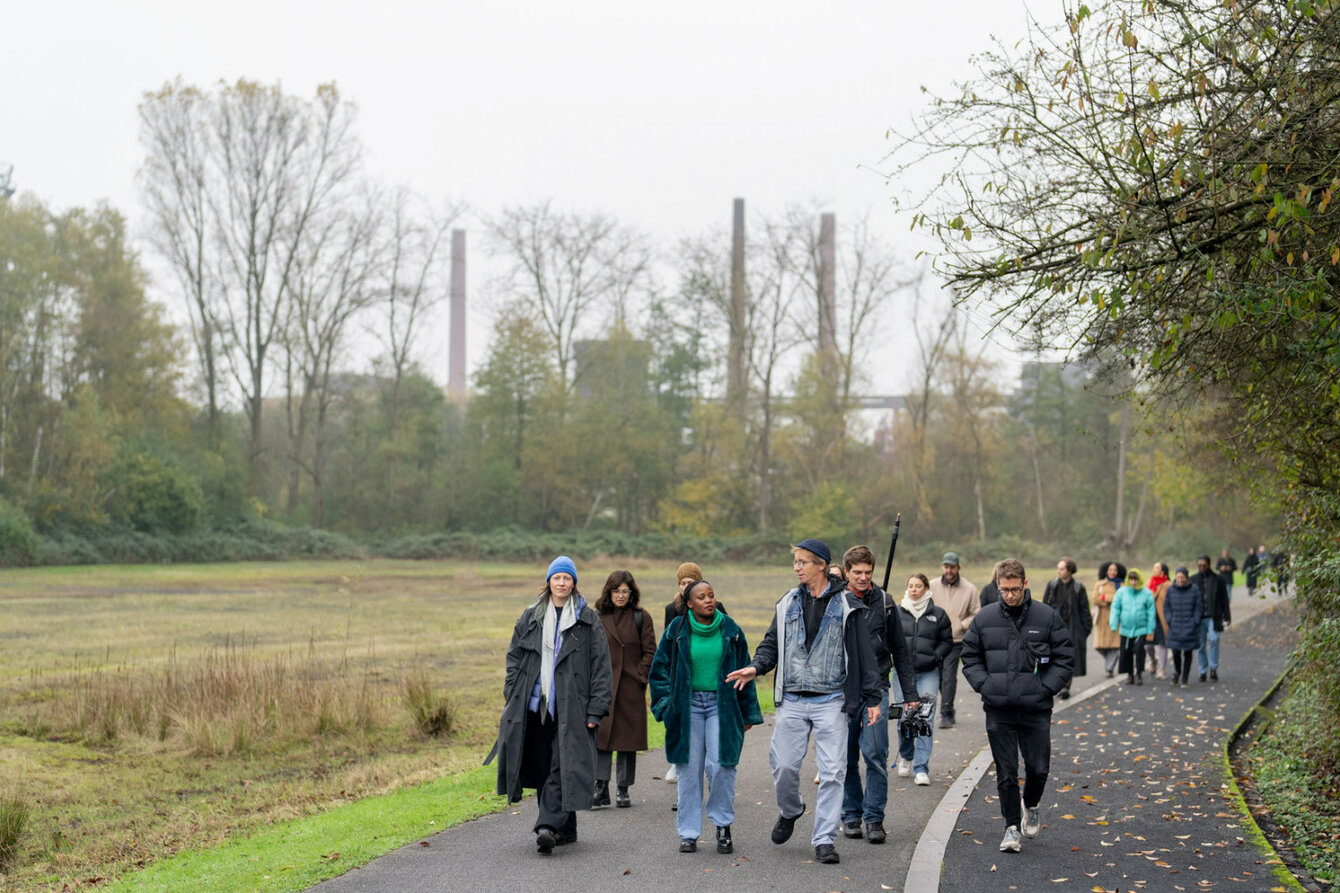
x=705 y=717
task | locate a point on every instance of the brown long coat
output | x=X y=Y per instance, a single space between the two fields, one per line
x=625 y=729
x=1104 y=636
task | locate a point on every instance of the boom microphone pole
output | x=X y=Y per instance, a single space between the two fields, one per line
x=893 y=544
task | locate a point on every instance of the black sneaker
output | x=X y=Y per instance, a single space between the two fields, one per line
x=1214 y=675
x=724 y=844
x=852 y=829
x=874 y=832
x=826 y=854
x=688 y=845
x=545 y=841
x=781 y=832
x=946 y=722
x=1202 y=677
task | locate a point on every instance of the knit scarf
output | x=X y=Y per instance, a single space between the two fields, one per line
x=556 y=623
x=917 y=607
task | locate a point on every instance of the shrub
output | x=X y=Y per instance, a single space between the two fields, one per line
x=13 y=817
x=434 y=714
x=151 y=494
x=18 y=540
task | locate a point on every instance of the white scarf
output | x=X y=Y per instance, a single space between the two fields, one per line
x=918 y=607
x=555 y=625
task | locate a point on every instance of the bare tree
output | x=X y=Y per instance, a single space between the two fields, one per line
x=933 y=338
x=240 y=174
x=563 y=265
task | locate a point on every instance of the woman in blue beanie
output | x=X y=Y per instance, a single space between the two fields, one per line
x=556 y=692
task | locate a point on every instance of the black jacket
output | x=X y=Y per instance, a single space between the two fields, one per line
x=1008 y=676
x=862 y=688
x=930 y=637
x=890 y=650
x=1214 y=599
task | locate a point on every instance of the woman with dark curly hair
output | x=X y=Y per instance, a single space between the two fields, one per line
x=632 y=640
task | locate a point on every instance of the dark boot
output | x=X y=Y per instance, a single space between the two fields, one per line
x=602 y=795
x=622 y=800
x=724 y=844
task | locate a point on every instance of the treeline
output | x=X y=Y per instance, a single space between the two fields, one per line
x=623 y=394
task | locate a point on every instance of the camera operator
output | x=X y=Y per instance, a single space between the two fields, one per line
x=1017 y=655
x=930 y=637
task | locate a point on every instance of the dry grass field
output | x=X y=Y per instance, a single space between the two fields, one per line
x=149 y=709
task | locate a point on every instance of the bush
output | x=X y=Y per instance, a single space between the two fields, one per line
x=13 y=817
x=150 y=494
x=18 y=540
x=434 y=714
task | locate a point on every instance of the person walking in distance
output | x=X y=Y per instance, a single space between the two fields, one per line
x=1018 y=655
x=819 y=644
x=1182 y=608
x=705 y=716
x=632 y=642
x=1227 y=568
x=959 y=600
x=556 y=691
x=1133 y=617
x=1215 y=617
x=1252 y=566
x=1066 y=596
x=1156 y=645
x=1105 y=638
x=871 y=740
x=929 y=637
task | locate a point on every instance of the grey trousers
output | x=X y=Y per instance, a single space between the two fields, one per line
x=796 y=719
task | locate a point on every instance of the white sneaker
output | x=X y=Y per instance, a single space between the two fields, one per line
x=904 y=768
x=1011 y=843
x=1032 y=822
x=922 y=779
x=672 y=776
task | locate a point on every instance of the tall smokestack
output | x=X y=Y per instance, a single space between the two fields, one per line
x=737 y=381
x=828 y=286
x=456 y=359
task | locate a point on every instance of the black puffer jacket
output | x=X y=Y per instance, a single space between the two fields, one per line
x=998 y=667
x=929 y=637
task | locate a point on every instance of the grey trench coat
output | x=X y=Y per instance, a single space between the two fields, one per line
x=582 y=691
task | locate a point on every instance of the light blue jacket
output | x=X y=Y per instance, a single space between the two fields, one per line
x=1133 y=612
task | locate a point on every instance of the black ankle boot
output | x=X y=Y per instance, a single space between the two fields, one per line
x=622 y=800
x=602 y=795
x=724 y=844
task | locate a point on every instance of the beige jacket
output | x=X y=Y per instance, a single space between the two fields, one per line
x=960 y=602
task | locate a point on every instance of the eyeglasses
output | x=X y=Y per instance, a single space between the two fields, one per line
x=801 y=562
x=622 y=590
x=1011 y=590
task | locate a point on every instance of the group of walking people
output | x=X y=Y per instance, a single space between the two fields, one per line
x=1140 y=623
x=847 y=659
x=577 y=679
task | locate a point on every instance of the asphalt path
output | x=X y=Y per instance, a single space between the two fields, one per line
x=637 y=848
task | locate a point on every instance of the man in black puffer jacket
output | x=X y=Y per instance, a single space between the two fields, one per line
x=1017 y=655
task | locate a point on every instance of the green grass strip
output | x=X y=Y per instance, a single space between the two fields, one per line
x=295 y=855
x=1252 y=830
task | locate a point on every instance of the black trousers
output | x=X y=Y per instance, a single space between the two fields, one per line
x=540 y=745
x=949 y=681
x=627 y=766
x=1011 y=733
x=1182 y=661
x=1133 y=655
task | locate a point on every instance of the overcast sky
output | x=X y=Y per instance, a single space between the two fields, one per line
x=659 y=114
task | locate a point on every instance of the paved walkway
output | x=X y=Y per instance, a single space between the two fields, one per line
x=1132 y=787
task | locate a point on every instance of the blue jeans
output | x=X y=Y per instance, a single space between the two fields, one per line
x=873 y=742
x=918 y=750
x=704 y=751
x=1208 y=656
x=796 y=719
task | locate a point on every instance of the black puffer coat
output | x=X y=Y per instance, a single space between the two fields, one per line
x=930 y=637
x=998 y=667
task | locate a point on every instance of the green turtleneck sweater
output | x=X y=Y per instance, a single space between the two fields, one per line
x=704 y=652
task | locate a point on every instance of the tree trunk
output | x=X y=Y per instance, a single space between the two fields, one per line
x=1139 y=516
x=765 y=464
x=1037 y=481
x=1117 y=525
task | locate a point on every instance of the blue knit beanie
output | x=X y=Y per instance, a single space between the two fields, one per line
x=562 y=565
x=818 y=547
